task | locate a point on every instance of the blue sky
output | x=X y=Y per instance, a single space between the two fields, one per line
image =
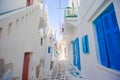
x=53 y=12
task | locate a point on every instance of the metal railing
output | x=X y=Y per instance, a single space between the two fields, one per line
x=71 y=12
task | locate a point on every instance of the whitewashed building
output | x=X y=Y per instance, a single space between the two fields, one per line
x=92 y=34
x=23 y=46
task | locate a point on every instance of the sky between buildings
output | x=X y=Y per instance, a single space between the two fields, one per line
x=53 y=13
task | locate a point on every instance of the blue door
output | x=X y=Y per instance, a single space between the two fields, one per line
x=74 y=54
x=77 y=51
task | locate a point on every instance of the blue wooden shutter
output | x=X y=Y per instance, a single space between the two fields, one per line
x=113 y=41
x=77 y=53
x=101 y=43
x=116 y=38
x=85 y=44
x=110 y=40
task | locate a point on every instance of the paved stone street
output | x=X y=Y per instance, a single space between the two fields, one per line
x=60 y=71
x=57 y=73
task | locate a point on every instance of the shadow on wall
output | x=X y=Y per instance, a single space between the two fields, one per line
x=39 y=68
x=6 y=71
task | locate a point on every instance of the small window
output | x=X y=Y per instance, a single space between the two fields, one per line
x=41 y=41
x=0 y=31
x=85 y=44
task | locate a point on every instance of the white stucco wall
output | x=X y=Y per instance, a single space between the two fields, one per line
x=88 y=11
x=22 y=36
x=117 y=3
x=8 y=5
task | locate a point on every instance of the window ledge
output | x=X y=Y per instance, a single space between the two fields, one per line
x=113 y=71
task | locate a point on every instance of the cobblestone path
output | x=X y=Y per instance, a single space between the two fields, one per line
x=57 y=73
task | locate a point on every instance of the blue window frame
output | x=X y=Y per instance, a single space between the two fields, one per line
x=108 y=36
x=85 y=44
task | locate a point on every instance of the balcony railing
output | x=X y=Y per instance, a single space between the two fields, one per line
x=70 y=12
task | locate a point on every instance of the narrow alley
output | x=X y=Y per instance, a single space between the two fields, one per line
x=59 y=39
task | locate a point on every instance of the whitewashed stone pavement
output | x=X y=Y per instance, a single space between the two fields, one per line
x=59 y=72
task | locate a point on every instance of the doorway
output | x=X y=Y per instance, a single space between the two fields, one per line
x=76 y=53
x=26 y=65
x=29 y=2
